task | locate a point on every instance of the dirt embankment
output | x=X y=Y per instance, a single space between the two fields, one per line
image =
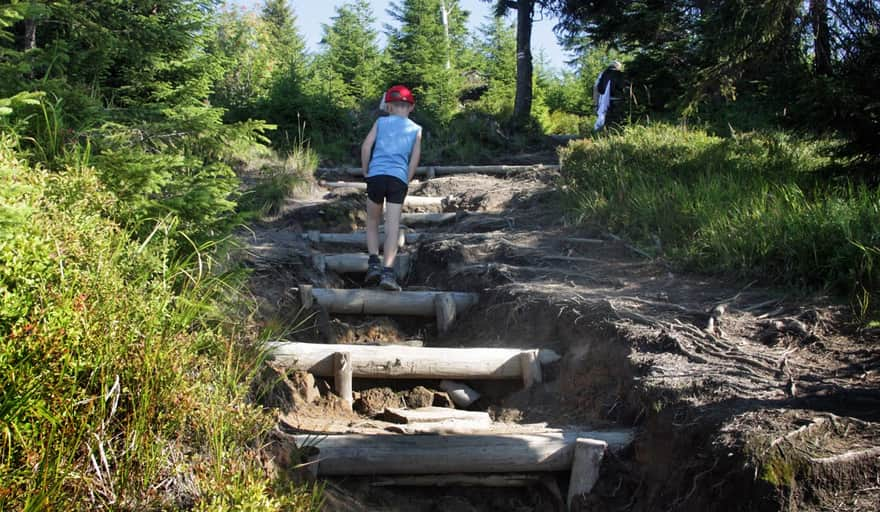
x=742 y=397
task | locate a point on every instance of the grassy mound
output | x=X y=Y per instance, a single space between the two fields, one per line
x=753 y=204
x=122 y=384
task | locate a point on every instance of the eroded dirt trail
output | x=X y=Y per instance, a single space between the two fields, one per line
x=741 y=398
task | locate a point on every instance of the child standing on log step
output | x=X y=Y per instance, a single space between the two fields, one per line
x=389 y=156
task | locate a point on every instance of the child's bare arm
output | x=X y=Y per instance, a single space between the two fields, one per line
x=415 y=156
x=367 y=149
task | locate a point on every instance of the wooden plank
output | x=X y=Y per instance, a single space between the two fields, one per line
x=381 y=302
x=357 y=454
x=434 y=414
x=395 y=361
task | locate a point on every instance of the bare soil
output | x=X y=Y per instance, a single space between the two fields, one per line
x=743 y=397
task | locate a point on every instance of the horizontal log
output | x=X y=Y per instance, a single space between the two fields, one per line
x=443 y=428
x=379 y=302
x=434 y=414
x=410 y=200
x=355 y=263
x=357 y=454
x=395 y=361
x=463 y=480
x=356 y=238
x=455 y=169
x=360 y=185
x=426 y=201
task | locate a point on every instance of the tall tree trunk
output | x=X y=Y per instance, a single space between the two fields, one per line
x=522 y=104
x=444 y=14
x=30 y=35
x=821 y=36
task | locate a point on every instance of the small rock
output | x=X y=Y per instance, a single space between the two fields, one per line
x=419 y=396
x=373 y=401
x=304 y=384
x=286 y=393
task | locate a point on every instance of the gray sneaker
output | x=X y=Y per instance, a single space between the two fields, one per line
x=374 y=274
x=388 y=282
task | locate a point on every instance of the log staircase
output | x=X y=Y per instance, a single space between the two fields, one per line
x=467 y=447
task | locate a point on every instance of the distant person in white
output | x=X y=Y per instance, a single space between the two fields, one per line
x=608 y=80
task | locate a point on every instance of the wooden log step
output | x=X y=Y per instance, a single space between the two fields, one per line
x=455 y=169
x=356 y=454
x=461 y=480
x=357 y=238
x=395 y=361
x=380 y=302
x=434 y=414
x=356 y=263
x=360 y=185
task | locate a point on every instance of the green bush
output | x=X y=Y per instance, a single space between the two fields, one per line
x=750 y=204
x=120 y=383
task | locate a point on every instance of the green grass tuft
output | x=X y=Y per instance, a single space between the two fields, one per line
x=753 y=204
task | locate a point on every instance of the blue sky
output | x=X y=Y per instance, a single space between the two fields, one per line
x=312 y=14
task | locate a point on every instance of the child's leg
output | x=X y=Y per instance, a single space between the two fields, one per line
x=374 y=217
x=392 y=230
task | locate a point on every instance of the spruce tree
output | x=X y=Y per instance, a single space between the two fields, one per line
x=424 y=53
x=497 y=50
x=352 y=53
x=281 y=20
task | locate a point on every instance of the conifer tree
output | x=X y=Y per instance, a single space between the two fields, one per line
x=352 y=53
x=287 y=43
x=419 y=50
x=498 y=64
x=136 y=76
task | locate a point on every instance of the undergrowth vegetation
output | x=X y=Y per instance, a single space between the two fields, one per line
x=755 y=204
x=123 y=381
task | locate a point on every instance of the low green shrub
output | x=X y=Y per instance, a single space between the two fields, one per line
x=123 y=384
x=751 y=204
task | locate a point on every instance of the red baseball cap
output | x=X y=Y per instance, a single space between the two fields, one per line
x=399 y=93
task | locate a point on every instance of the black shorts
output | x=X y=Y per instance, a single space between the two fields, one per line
x=383 y=188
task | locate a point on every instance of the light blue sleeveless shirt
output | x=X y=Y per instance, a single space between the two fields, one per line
x=395 y=136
